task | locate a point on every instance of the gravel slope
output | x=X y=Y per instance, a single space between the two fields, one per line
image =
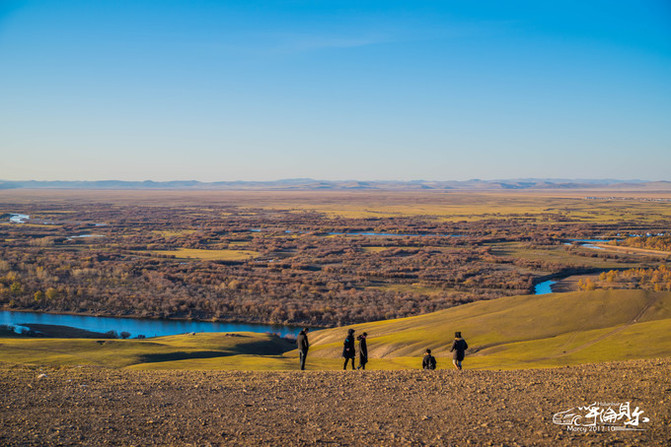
x=99 y=406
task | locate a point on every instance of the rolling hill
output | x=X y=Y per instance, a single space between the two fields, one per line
x=525 y=331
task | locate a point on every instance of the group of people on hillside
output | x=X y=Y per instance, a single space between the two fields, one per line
x=458 y=349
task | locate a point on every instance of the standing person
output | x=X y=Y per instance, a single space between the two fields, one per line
x=363 y=351
x=303 y=345
x=348 y=348
x=459 y=346
x=429 y=361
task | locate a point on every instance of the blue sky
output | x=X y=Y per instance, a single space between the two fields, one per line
x=264 y=90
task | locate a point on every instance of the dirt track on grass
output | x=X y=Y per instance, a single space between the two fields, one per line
x=99 y=406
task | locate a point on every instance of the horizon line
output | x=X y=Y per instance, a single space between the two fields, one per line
x=310 y=179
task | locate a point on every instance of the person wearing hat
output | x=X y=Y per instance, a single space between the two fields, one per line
x=459 y=346
x=348 y=348
x=363 y=351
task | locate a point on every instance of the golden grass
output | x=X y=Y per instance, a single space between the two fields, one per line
x=450 y=206
x=173 y=233
x=599 y=345
x=208 y=255
x=525 y=331
x=122 y=353
x=374 y=249
x=471 y=206
x=31 y=225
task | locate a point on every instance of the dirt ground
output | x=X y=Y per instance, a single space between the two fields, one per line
x=99 y=406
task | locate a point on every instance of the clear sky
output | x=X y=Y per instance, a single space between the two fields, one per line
x=370 y=90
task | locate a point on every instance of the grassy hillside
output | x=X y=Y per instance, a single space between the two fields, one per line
x=542 y=330
x=513 y=332
x=186 y=350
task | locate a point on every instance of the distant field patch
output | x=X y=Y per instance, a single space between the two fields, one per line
x=209 y=255
x=467 y=206
x=557 y=254
x=376 y=249
x=173 y=233
x=35 y=225
x=415 y=288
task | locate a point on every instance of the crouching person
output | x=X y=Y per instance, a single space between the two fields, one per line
x=429 y=361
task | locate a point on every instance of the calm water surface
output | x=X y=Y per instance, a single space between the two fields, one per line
x=148 y=328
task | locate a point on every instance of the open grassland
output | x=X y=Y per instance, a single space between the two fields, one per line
x=209 y=255
x=173 y=233
x=506 y=333
x=468 y=206
x=635 y=250
x=31 y=225
x=550 y=205
x=561 y=254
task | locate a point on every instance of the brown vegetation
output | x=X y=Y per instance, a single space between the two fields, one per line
x=224 y=260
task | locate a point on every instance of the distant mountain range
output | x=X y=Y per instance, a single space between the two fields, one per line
x=306 y=184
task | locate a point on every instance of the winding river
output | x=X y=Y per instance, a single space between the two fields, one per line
x=148 y=328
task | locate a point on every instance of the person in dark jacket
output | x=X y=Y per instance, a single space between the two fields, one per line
x=303 y=345
x=459 y=346
x=429 y=361
x=363 y=351
x=348 y=348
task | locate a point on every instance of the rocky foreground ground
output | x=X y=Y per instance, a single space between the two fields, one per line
x=98 y=406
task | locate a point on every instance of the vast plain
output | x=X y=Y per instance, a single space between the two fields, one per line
x=316 y=258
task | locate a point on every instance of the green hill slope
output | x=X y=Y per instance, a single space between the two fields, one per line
x=530 y=330
x=188 y=351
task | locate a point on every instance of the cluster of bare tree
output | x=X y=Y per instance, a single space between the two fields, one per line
x=309 y=268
